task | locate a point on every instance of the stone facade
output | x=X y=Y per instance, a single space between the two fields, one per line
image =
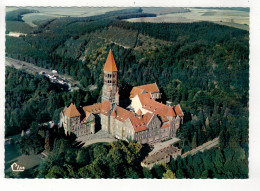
x=73 y=124
x=110 y=89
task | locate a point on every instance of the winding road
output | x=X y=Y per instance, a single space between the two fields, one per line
x=202 y=147
x=18 y=64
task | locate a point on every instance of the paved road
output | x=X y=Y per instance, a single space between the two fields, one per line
x=203 y=147
x=35 y=69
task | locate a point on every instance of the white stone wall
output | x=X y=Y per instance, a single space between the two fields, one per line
x=136 y=104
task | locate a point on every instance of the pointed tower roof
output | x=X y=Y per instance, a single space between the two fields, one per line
x=71 y=111
x=110 y=65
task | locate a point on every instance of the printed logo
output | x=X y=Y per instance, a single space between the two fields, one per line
x=17 y=168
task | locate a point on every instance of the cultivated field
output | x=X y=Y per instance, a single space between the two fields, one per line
x=33 y=18
x=234 y=18
x=46 y=13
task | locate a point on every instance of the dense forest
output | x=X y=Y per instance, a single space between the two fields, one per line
x=121 y=159
x=31 y=99
x=203 y=66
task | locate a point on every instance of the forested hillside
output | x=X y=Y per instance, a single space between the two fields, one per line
x=202 y=66
x=33 y=99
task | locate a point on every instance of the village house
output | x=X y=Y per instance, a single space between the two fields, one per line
x=146 y=121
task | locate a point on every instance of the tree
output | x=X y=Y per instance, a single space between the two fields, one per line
x=56 y=172
x=157 y=171
x=205 y=174
x=99 y=151
x=147 y=173
x=194 y=140
x=130 y=173
x=169 y=175
x=82 y=157
x=47 y=144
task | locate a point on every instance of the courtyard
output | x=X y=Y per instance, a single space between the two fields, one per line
x=98 y=137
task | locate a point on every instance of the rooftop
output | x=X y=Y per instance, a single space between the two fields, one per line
x=140 y=123
x=121 y=114
x=95 y=109
x=110 y=65
x=178 y=110
x=158 y=108
x=149 y=88
x=71 y=111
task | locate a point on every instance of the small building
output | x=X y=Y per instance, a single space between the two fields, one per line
x=162 y=156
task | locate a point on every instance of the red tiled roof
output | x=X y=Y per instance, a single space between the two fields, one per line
x=170 y=112
x=71 y=111
x=165 y=125
x=149 y=88
x=153 y=106
x=110 y=65
x=136 y=91
x=142 y=97
x=140 y=123
x=178 y=110
x=105 y=107
x=95 y=109
x=121 y=114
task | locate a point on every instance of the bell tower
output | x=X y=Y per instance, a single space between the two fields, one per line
x=110 y=89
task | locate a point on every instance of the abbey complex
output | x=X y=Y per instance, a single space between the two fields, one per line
x=146 y=120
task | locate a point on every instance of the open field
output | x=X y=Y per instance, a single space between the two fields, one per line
x=164 y=10
x=230 y=17
x=46 y=13
x=32 y=18
x=8 y=9
x=233 y=18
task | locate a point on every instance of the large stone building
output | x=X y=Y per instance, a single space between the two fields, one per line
x=146 y=120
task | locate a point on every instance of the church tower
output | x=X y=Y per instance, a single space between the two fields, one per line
x=110 y=89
